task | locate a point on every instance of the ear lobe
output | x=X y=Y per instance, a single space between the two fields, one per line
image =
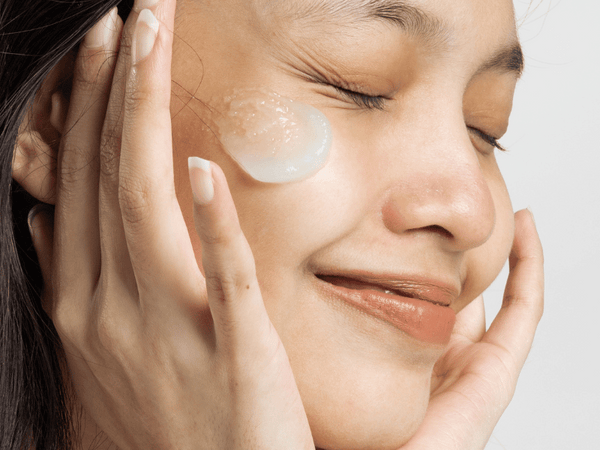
x=36 y=148
x=34 y=166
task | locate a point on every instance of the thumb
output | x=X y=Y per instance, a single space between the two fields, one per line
x=470 y=322
x=41 y=228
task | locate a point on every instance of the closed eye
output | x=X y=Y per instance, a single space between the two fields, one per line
x=378 y=102
x=490 y=140
x=363 y=101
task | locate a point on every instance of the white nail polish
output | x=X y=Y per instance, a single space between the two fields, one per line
x=100 y=34
x=201 y=180
x=143 y=4
x=146 y=30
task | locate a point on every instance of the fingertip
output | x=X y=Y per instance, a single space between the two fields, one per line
x=200 y=163
x=527 y=241
x=201 y=180
x=531 y=215
x=146 y=32
x=525 y=218
x=101 y=34
x=145 y=4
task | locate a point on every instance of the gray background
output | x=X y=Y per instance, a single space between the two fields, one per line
x=552 y=167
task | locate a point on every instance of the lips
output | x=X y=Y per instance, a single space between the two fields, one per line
x=420 y=308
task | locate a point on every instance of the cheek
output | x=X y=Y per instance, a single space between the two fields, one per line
x=483 y=264
x=273 y=139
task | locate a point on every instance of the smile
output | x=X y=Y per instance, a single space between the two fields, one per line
x=421 y=310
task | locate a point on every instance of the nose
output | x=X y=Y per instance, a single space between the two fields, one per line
x=440 y=187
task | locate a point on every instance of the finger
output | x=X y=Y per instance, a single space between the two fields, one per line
x=514 y=327
x=470 y=321
x=112 y=236
x=113 y=243
x=77 y=198
x=156 y=234
x=234 y=295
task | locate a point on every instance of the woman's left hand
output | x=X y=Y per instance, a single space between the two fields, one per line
x=475 y=379
x=159 y=354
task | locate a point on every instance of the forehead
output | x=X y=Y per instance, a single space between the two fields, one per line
x=485 y=27
x=416 y=15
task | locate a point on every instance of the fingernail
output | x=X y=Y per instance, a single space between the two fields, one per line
x=144 y=4
x=100 y=34
x=532 y=216
x=34 y=212
x=146 y=30
x=201 y=180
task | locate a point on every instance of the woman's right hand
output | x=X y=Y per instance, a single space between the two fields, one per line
x=160 y=356
x=476 y=377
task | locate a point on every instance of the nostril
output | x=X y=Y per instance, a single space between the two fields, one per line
x=439 y=230
x=455 y=205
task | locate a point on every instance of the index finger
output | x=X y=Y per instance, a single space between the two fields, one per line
x=514 y=327
x=157 y=236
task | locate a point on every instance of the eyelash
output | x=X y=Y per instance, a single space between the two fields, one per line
x=363 y=100
x=487 y=138
x=370 y=102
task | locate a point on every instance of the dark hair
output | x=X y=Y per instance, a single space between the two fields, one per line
x=34 y=408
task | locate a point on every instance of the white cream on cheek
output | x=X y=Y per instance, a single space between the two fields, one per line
x=273 y=138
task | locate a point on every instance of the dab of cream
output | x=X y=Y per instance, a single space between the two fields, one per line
x=273 y=138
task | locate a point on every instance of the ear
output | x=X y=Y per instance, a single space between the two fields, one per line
x=40 y=132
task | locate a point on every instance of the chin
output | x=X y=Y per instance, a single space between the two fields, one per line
x=364 y=383
x=356 y=395
x=360 y=425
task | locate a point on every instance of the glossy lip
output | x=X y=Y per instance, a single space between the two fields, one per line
x=417 y=306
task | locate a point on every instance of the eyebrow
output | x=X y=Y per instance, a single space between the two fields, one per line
x=415 y=22
x=510 y=59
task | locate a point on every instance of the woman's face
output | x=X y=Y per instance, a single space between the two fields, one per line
x=410 y=197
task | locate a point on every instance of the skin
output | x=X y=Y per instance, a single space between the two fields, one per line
x=405 y=181
x=408 y=190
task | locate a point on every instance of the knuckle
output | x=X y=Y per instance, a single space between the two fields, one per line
x=110 y=145
x=107 y=334
x=70 y=324
x=224 y=235
x=85 y=72
x=113 y=331
x=145 y=102
x=134 y=98
x=108 y=338
x=134 y=200
x=146 y=94
x=74 y=160
x=219 y=237
x=530 y=305
x=139 y=99
x=65 y=326
x=104 y=332
x=226 y=287
x=93 y=67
